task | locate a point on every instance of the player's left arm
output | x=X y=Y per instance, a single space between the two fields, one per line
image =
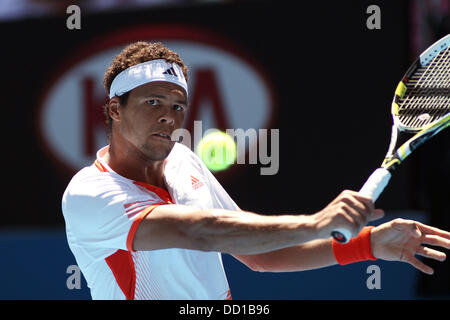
x=396 y=240
x=306 y=256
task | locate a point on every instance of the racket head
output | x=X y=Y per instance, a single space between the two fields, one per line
x=421 y=105
x=422 y=96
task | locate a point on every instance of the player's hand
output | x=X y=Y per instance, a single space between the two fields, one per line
x=350 y=210
x=402 y=240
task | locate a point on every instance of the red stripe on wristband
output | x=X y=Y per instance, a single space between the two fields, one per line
x=357 y=249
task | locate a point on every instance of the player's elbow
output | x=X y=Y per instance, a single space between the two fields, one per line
x=258 y=268
x=253 y=262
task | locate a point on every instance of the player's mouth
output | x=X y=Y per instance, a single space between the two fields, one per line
x=162 y=135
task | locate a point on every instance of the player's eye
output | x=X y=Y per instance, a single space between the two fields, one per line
x=178 y=107
x=152 y=102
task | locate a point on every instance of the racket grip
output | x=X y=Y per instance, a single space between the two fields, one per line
x=376 y=183
x=373 y=187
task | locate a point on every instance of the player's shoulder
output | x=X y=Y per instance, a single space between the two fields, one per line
x=181 y=153
x=91 y=182
x=180 y=150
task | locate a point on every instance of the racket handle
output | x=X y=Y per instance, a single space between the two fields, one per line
x=373 y=187
x=376 y=183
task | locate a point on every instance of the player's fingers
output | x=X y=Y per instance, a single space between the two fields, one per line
x=368 y=205
x=436 y=241
x=339 y=198
x=363 y=204
x=356 y=208
x=349 y=193
x=354 y=219
x=416 y=263
x=368 y=201
x=431 y=253
x=433 y=231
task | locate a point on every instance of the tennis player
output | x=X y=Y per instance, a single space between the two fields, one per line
x=148 y=220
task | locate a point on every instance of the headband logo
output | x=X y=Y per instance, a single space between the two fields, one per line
x=171 y=71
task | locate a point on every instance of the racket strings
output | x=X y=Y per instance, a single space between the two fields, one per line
x=429 y=93
x=427 y=97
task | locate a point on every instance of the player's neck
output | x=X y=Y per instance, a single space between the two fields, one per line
x=130 y=164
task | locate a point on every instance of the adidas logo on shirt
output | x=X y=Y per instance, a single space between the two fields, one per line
x=196 y=183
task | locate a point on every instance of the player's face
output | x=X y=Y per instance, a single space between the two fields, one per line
x=152 y=113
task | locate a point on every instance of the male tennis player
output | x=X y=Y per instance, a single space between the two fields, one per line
x=141 y=229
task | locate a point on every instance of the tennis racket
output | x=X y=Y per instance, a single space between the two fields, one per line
x=420 y=109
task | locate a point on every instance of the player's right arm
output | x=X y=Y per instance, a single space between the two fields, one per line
x=243 y=232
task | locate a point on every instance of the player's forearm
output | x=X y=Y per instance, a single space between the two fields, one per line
x=234 y=232
x=306 y=256
x=240 y=232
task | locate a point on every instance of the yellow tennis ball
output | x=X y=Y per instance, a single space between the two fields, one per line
x=217 y=150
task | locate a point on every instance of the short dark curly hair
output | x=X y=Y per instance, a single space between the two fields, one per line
x=134 y=54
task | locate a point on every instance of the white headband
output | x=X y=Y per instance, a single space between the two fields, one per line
x=149 y=71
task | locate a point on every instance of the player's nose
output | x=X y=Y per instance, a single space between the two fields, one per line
x=166 y=118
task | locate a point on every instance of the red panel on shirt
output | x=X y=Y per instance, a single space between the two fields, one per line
x=122 y=266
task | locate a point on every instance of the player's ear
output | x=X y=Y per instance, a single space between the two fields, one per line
x=114 y=108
